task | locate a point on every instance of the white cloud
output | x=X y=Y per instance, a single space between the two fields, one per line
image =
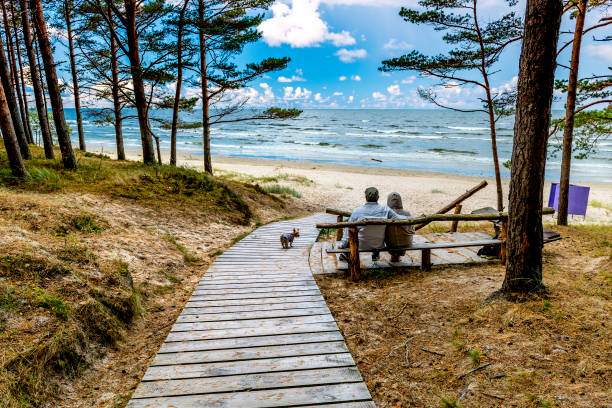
x=300 y=25
x=348 y=56
x=396 y=45
x=351 y=99
x=299 y=71
x=299 y=93
x=408 y=80
x=338 y=94
x=371 y=3
x=378 y=96
x=294 y=78
x=355 y=78
x=340 y=39
x=603 y=51
x=342 y=78
x=319 y=98
x=394 y=90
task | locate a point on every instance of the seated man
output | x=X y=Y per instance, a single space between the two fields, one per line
x=398 y=236
x=370 y=236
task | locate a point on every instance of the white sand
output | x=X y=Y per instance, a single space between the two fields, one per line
x=341 y=186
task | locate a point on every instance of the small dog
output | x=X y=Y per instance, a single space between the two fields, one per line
x=286 y=240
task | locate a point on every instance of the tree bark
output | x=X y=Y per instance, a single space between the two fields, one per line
x=570 y=107
x=535 y=91
x=115 y=92
x=63 y=137
x=43 y=87
x=148 y=154
x=36 y=85
x=10 y=138
x=205 y=98
x=22 y=77
x=179 y=84
x=7 y=84
x=10 y=49
x=75 y=80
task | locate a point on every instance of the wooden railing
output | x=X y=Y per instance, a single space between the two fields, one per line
x=354 y=266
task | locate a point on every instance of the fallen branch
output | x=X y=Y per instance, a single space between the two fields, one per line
x=400 y=312
x=465 y=390
x=437 y=353
x=492 y=396
x=406 y=353
x=473 y=371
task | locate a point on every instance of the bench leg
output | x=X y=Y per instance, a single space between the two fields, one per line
x=339 y=231
x=426 y=259
x=354 y=263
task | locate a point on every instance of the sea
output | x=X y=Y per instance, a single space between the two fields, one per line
x=428 y=140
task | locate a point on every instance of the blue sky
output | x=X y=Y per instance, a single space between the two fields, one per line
x=336 y=47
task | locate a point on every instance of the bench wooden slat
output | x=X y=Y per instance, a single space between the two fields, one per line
x=420 y=247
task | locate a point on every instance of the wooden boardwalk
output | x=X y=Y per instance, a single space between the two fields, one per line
x=256 y=333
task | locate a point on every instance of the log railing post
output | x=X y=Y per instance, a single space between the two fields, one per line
x=456 y=222
x=339 y=231
x=354 y=265
x=503 y=237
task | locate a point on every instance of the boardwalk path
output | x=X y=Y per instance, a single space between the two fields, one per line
x=256 y=333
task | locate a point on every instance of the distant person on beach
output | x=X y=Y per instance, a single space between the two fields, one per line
x=397 y=236
x=371 y=237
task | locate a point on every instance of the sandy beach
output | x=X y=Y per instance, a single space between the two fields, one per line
x=341 y=186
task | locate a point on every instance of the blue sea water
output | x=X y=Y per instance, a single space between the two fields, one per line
x=429 y=140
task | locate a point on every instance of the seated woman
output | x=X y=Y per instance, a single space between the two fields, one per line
x=397 y=236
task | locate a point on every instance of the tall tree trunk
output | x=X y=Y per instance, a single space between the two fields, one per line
x=7 y=84
x=43 y=88
x=36 y=85
x=179 y=84
x=534 y=98
x=148 y=154
x=10 y=138
x=75 y=80
x=16 y=82
x=570 y=107
x=63 y=137
x=22 y=76
x=205 y=98
x=115 y=92
x=491 y=112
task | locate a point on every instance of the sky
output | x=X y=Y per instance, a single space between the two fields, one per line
x=337 y=46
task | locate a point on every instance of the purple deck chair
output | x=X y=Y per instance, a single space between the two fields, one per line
x=578 y=199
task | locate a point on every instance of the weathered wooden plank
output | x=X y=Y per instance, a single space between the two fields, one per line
x=260 y=301
x=242 y=342
x=170 y=372
x=251 y=323
x=247 y=382
x=265 y=295
x=251 y=331
x=256 y=284
x=258 y=314
x=205 y=311
x=248 y=279
x=320 y=394
x=255 y=289
x=251 y=353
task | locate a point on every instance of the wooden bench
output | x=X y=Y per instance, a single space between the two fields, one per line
x=424 y=248
x=353 y=238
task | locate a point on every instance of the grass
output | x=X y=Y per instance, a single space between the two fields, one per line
x=52 y=303
x=148 y=184
x=282 y=190
x=188 y=256
x=599 y=204
x=240 y=237
x=436 y=191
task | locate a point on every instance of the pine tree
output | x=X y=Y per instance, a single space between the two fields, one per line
x=534 y=98
x=63 y=136
x=477 y=49
x=10 y=138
